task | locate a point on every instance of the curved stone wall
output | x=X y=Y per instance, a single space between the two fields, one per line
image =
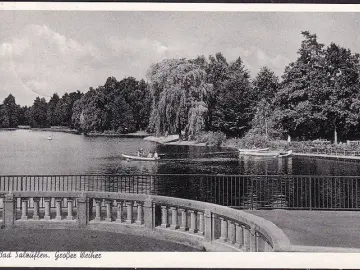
x=202 y=225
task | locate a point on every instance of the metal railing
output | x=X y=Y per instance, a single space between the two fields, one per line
x=331 y=152
x=240 y=191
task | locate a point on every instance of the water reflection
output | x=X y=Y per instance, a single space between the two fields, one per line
x=29 y=152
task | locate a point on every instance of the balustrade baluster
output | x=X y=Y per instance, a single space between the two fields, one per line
x=232 y=232
x=174 y=217
x=24 y=210
x=58 y=208
x=164 y=216
x=129 y=210
x=139 y=220
x=108 y=211
x=70 y=209
x=183 y=226
x=193 y=227
x=253 y=239
x=36 y=208
x=47 y=208
x=239 y=235
x=246 y=238
x=201 y=223
x=223 y=229
x=267 y=246
x=98 y=209
x=120 y=205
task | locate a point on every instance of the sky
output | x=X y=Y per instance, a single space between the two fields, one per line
x=46 y=52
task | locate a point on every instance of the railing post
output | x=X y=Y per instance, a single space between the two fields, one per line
x=24 y=208
x=139 y=220
x=9 y=210
x=82 y=211
x=70 y=209
x=36 y=208
x=58 y=208
x=184 y=226
x=129 y=211
x=108 y=210
x=47 y=208
x=149 y=213
x=120 y=208
x=174 y=217
x=193 y=224
x=208 y=233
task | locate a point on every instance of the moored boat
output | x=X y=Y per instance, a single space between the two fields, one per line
x=140 y=158
x=254 y=150
x=285 y=154
x=261 y=154
x=267 y=153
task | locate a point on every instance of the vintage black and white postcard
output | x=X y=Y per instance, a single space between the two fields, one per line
x=179 y=135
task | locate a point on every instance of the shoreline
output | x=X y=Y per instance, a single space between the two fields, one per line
x=171 y=141
x=64 y=130
x=116 y=135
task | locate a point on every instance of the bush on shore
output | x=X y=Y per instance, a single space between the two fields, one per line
x=211 y=138
x=257 y=141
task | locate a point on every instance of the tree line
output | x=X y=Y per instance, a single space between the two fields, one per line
x=317 y=96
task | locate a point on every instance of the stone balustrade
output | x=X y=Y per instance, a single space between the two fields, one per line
x=194 y=223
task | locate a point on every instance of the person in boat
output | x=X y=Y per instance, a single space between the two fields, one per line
x=140 y=153
x=150 y=155
x=156 y=155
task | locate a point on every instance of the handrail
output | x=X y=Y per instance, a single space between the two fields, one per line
x=212 y=226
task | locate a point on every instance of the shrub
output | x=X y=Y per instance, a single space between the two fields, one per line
x=211 y=138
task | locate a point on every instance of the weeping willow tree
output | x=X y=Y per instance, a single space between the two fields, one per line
x=178 y=88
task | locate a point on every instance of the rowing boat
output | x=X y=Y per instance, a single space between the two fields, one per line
x=140 y=158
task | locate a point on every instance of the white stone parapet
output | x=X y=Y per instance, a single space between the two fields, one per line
x=196 y=223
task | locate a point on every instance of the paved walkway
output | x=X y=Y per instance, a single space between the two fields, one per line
x=81 y=240
x=317 y=228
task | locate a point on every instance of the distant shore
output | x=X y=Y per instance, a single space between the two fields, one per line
x=64 y=130
x=139 y=134
x=172 y=140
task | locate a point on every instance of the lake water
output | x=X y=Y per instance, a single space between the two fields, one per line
x=29 y=152
x=26 y=152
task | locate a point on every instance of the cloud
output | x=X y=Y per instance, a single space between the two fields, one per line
x=41 y=61
x=254 y=58
x=38 y=60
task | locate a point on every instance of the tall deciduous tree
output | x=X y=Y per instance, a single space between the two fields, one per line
x=301 y=95
x=52 y=118
x=217 y=74
x=39 y=113
x=178 y=89
x=235 y=101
